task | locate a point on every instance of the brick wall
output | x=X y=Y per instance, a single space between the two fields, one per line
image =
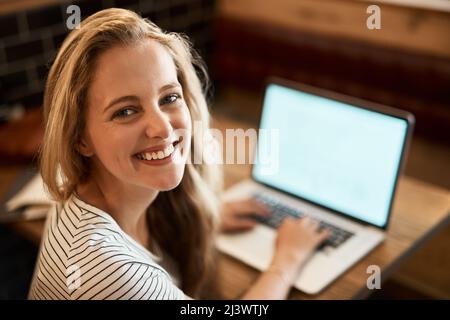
x=30 y=39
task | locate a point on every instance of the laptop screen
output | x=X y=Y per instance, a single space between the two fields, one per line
x=331 y=153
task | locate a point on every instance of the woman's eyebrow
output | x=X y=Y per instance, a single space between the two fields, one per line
x=170 y=86
x=121 y=99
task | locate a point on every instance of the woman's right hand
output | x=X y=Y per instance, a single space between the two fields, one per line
x=296 y=241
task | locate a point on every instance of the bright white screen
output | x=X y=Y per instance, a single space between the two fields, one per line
x=334 y=154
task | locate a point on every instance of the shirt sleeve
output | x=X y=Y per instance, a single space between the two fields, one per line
x=135 y=281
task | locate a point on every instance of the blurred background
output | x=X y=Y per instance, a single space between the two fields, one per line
x=405 y=64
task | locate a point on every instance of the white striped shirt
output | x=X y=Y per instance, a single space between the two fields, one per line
x=85 y=255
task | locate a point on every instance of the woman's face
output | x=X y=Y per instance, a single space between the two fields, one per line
x=136 y=113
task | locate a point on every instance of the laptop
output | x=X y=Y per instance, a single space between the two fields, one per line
x=332 y=157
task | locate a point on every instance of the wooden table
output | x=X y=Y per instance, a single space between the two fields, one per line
x=420 y=211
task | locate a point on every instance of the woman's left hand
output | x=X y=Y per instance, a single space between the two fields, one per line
x=240 y=215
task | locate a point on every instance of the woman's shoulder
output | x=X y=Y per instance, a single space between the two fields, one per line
x=90 y=257
x=124 y=279
x=74 y=226
x=80 y=229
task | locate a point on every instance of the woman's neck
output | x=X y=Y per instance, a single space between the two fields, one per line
x=126 y=204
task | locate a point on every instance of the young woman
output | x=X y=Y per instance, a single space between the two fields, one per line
x=136 y=219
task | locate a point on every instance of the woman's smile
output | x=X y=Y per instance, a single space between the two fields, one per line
x=159 y=155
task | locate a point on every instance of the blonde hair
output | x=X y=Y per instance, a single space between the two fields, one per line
x=194 y=203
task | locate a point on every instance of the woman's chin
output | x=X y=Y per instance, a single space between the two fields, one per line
x=168 y=187
x=165 y=184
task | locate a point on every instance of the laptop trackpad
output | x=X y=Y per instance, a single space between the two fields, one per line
x=254 y=247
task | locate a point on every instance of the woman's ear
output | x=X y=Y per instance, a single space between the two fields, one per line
x=84 y=148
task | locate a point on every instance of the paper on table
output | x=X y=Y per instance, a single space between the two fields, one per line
x=32 y=202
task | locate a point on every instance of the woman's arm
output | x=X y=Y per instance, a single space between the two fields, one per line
x=296 y=241
x=274 y=283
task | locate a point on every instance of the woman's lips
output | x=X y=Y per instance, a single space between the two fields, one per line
x=162 y=161
x=159 y=148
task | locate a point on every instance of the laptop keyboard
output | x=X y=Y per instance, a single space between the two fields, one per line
x=280 y=211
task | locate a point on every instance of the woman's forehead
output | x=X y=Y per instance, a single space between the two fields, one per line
x=144 y=66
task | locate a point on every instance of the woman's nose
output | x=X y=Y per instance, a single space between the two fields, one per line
x=158 y=125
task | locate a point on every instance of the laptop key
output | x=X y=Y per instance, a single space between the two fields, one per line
x=279 y=212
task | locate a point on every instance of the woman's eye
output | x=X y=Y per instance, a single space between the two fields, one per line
x=170 y=98
x=123 y=113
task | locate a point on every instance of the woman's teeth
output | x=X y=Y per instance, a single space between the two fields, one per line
x=156 y=155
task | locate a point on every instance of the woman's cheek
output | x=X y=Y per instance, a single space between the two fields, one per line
x=118 y=140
